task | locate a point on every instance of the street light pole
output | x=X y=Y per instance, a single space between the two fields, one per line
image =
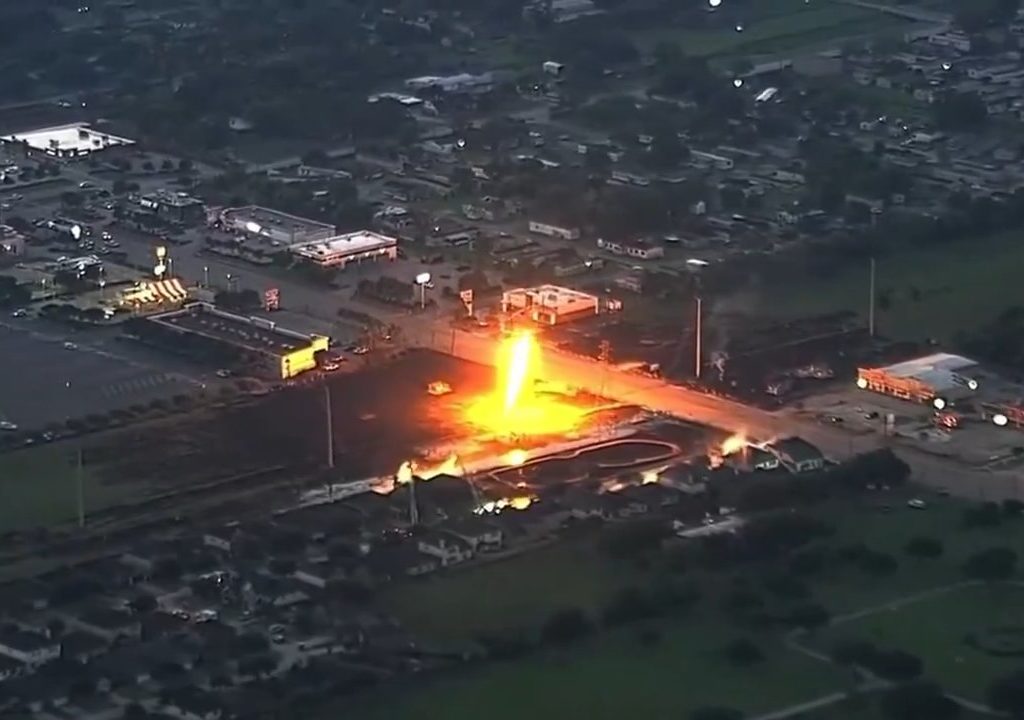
x=329 y=416
x=871 y=300
x=80 y=489
x=698 y=330
x=422 y=279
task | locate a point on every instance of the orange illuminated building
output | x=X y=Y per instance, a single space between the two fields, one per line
x=929 y=379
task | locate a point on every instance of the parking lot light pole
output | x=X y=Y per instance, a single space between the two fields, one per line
x=871 y=300
x=328 y=412
x=79 y=481
x=422 y=280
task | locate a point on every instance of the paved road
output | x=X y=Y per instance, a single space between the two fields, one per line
x=836 y=443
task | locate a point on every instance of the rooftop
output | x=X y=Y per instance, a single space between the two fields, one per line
x=341 y=245
x=74 y=138
x=797 y=448
x=552 y=294
x=266 y=218
x=24 y=641
x=941 y=371
x=250 y=333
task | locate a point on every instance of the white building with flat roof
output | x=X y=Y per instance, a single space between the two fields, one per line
x=550 y=304
x=340 y=250
x=67 y=141
x=276 y=226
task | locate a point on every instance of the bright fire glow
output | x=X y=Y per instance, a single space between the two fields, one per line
x=733 y=444
x=515 y=457
x=515 y=407
x=730 y=446
x=519 y=502
x=409 y=468
x=517 y=370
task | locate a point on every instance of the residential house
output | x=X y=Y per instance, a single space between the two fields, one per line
x=563 y=232
x=10 y=668
x=481 y=535
x=82 y=646
x=797 y=455
x=105 y=623
x=266 y=590
x=683 y=478
x=625 y=503
x=639 y=249
x=447 y=548
x=192 y=704
x=318 y=574
x=589 y=504
x=390 y=562
x=29 y=648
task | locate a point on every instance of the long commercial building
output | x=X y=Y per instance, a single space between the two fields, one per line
x=341 y=250
x=263 y=346
x=937 y=379
x=550 y=304
x=274 y=225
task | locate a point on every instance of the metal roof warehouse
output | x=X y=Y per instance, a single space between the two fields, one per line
x=285 y=353
x=922 y=379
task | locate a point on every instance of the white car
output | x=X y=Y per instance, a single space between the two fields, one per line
x=917 y=503
x=70 y=346
x=8 y=425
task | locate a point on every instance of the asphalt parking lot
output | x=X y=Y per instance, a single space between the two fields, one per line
x=42 y=381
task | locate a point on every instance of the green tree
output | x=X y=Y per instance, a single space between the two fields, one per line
x=923 y=547
x=918 y=701
x=1006 y=694
x=566 y=626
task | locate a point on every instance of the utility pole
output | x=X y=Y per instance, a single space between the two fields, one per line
x=329 y=416
x=605 y=355
x=871 y=300
x=79 y=481
x=698 y=330
x=414 y=511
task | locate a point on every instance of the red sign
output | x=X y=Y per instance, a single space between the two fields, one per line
x=272 y=299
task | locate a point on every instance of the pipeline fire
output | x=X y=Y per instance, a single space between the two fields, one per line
x=730 y=446
x=514 y=407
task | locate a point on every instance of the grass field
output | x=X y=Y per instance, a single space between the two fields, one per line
x=935 y=630
x=959 y=285
x=777 y=26
x=614 y=673
x=865 y=708
x=615 y=676
x=38 y=487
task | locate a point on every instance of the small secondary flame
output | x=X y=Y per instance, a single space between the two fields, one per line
x=733 y=444
x=409 y=468
x=515 y=457
x=519 y=502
